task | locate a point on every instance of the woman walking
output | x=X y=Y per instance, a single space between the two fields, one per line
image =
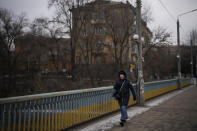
x=122 y=94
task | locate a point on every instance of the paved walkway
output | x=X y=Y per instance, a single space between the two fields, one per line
x=179 y=113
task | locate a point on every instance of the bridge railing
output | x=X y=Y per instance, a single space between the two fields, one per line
x=61 y=110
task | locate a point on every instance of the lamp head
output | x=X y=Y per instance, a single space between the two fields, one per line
x=142 y=39
x=135 y=37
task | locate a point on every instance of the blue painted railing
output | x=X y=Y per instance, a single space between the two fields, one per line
x=61 y=110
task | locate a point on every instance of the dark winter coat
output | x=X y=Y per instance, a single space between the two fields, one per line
x=127 y=87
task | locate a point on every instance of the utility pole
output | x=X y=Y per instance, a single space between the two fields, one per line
x=196 y=61
x=196 y=69
x=140 y=83
x=191 y=46
x=178 y=55
x=178 y=42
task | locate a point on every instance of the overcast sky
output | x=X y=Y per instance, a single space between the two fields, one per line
x=176 y=7
x=37 y=8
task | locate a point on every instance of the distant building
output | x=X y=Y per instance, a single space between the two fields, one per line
x=172 y=49
x=43 y=54
x=103 y=32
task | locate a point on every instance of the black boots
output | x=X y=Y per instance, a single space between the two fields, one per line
x=122 y=122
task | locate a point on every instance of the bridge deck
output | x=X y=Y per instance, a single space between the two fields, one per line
x=175 y=111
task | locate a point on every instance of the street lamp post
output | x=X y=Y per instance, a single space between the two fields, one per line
x=178 y=55
x=196 y=64
x=196 y=70
x=196 y=67
x=191 y=46
x=140 y=82
x=178 y=42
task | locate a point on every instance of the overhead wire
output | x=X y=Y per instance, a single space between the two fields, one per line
x=170 y=14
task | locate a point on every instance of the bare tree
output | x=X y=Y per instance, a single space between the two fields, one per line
x=120 y=26
x=64 y=11
x=53 y=33
x=193 y=40
x=161 y=37
x=193 y=35
x=157 y=60
x=147 y=14
x=11 y=27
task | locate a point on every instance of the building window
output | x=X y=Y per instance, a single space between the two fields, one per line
x=116 y=29
x=98 y=17
x=101 y=17
x=52 y=52
x=78 y=60
x=96 y=30
x=83 y=17
x=113 y=45
x=99 y=45
x=84 y=46
x=94 y=16
x=99 y=30
x=104 y=30
x=84 y=32
x=105 y=44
